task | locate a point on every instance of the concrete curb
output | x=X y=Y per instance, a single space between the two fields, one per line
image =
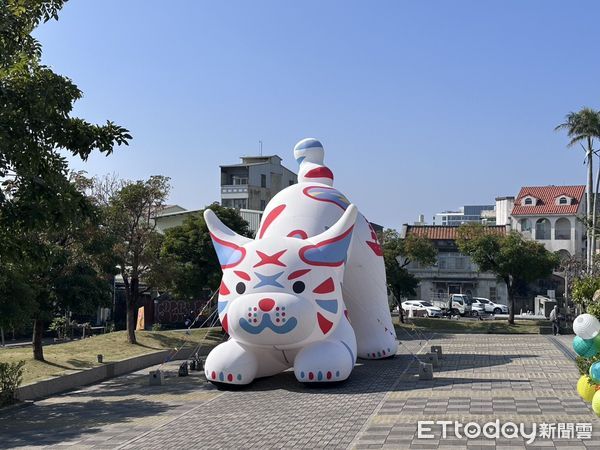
x=51 y=386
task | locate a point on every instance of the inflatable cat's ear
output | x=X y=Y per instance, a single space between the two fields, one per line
x=330 y=248
x=229 y=245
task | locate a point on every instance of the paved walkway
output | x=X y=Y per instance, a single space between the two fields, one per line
x=521 y=379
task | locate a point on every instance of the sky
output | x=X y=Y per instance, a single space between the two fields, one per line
x=421 y=106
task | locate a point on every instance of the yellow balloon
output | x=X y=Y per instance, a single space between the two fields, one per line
x=596 y=403
x=586 y=391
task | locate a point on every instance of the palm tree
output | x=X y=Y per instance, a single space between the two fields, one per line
x=583 y=127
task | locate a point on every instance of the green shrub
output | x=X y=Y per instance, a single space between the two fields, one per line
x=156 y=327
x=11 y=375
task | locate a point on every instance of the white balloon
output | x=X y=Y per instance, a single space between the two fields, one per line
x=586 y=326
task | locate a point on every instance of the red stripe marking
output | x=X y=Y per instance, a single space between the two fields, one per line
x=300 y=234
x=270 y=259
x=298 y=273
x=230 y=245
x=242 y=275
x=324 y=324
x=224 y=324
x=270 y=218
x=325 y=287
x=319 y=172
x=223 y=289
x=375 y=247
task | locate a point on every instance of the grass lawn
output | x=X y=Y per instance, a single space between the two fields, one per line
x=82 y=354
x=473 y=326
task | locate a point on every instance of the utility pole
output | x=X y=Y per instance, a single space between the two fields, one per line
x=260 y=147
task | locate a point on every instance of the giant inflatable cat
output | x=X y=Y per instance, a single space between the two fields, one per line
x=309 y=292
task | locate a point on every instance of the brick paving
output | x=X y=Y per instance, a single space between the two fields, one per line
x=523 y=379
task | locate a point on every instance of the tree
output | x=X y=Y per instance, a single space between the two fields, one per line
x=188 y=252
x=584 y=126
x=37 y=201
x=512 y=258
x=583 y=290
x=397 y=254
x=130 y=213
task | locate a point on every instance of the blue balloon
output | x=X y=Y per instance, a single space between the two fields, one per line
x=585 y=347
x=595 y=372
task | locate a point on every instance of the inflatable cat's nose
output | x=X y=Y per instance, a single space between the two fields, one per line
x=266 y=304
x=310 y=155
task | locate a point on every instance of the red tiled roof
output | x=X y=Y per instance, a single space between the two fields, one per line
x=441 y=232
x=546 y=200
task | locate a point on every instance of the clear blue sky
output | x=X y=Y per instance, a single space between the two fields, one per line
x=422 y=106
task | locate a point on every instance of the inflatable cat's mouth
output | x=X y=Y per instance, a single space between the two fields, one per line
x=265 y=323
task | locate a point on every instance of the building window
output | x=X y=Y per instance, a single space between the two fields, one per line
x=525 y=224
x=493 y=294
x=239 y=181
x=263 y=204
x=263 y=181
x=528 y=201
x=542 y=229
x=291 y=182
x=562 y=201
x=562 y=229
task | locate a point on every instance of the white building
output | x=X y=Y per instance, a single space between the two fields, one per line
x=453 y=272
x=551 y=215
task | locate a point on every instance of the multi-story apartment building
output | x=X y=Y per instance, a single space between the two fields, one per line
x=253 y=182
x=467 y=213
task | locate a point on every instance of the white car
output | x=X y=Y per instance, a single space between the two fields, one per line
x=490 y=306
x=421 y=305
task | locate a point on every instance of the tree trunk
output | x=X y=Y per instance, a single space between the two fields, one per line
x=594 y=218
x=38 y=333
x=590 y=188
x=511 y=301
x=131 y=294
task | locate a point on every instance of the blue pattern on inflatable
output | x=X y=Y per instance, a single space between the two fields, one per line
x=222 y=306
x=328 y=305
x=331 y=253
x=328 y=195
x=267 y=323
x=268 y=280
x=309 y=143
x=227 y=255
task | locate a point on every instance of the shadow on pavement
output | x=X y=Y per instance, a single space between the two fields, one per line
x=55 y=423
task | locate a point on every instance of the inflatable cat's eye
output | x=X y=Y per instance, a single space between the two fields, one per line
x=309 y=292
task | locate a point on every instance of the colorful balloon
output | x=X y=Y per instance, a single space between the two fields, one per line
x=595 y=372
x=586 y=347
x=309 y=292
x=585 y=389
x=586 y=326
x=596 y=403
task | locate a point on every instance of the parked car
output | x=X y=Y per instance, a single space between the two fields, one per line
x=490 y=306
x=461 y=304
x=422 y=306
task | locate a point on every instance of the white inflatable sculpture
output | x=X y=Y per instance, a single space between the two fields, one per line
x=309 y=292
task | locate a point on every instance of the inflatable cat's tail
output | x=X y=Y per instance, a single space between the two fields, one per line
x=310 y=155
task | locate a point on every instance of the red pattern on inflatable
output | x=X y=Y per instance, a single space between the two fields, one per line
x=270 y=219
x=223 y=289
x=298 y=273
x=299 y=234
x=325 y=287
x=242 y=275
x=319 y=172
x=324 y=324
x=270 y=259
